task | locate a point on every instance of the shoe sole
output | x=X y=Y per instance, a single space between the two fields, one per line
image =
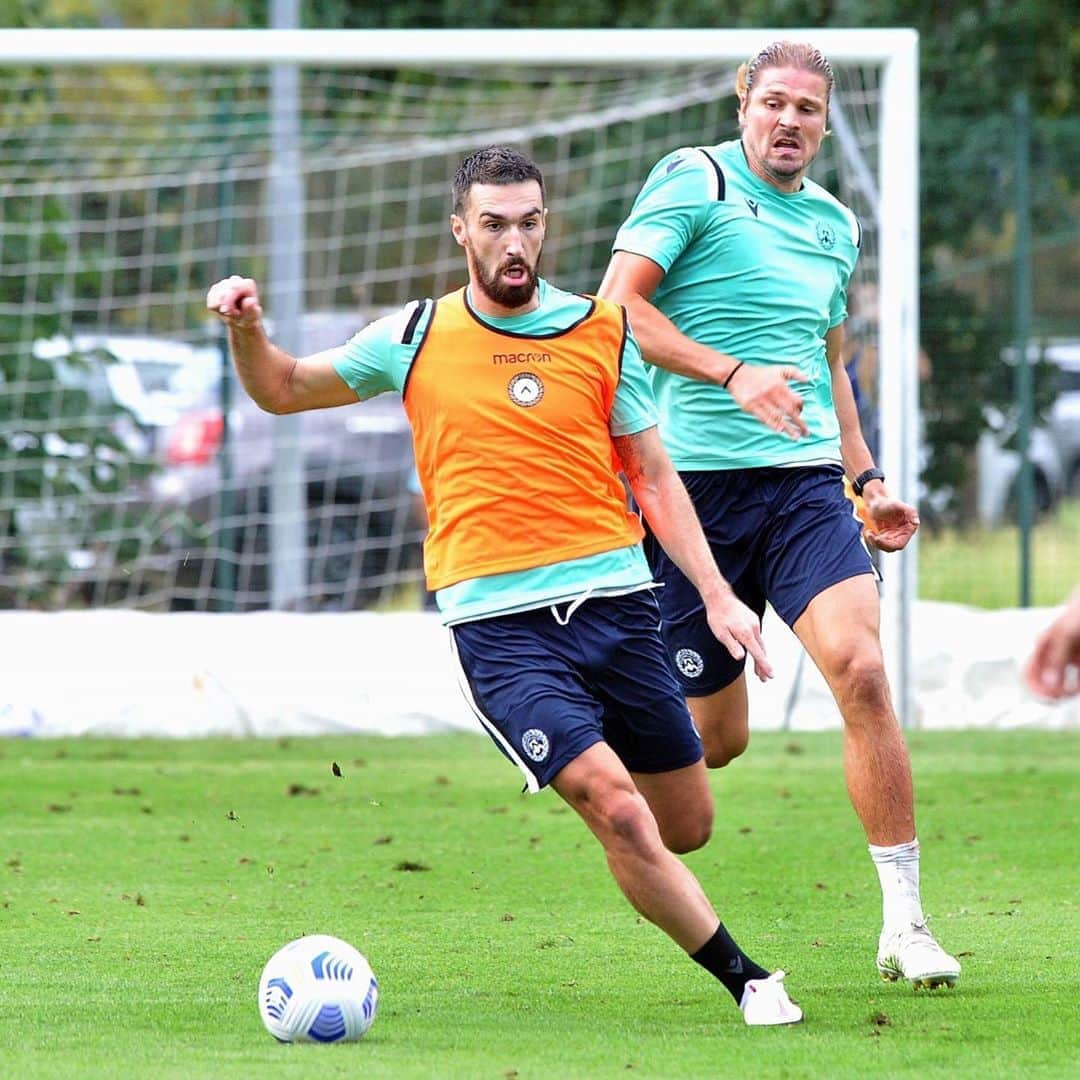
x=930 y=981
x=775 y=1023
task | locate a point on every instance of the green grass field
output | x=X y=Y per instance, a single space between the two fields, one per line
x=145 y=883
x=981 y=566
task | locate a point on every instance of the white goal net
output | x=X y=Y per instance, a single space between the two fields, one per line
x=139 y=167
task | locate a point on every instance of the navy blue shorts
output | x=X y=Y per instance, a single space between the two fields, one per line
x=778 y=535
x=547 y=687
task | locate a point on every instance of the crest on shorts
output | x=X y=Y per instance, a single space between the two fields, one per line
x=535 y=744
x=525 y=389
x=689 y=663
x=826 y=235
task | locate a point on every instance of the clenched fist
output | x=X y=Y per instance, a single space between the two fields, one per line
x=235 y=300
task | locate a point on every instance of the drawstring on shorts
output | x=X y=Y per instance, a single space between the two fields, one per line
x=571 y=608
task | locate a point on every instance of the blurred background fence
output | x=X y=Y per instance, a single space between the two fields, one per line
x=136 y=473
x=132 y=472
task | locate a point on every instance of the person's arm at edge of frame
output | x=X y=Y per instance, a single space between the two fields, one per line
x=893 y=522
x=277 y=382
x=663 y=499
x=1053 y=669
x=762 y=392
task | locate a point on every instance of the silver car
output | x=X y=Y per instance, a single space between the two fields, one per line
x=1064 y=417
x=1053 y=449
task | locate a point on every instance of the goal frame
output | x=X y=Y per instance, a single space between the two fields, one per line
x=894 y=50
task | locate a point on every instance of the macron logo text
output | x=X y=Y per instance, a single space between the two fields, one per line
x=521 y=358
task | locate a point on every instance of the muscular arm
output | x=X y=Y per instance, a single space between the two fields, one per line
x=763 y=392
x=276 y=381
x=631 y=280
x=667 y=508
x=853 y=448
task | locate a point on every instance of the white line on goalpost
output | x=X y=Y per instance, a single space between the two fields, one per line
x=391 y=48
x=895 y=50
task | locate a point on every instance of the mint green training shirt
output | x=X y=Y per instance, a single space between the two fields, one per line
x=755 y=273
x=378 y=360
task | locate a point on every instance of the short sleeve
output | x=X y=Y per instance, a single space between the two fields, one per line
x=669 y=209
x=838 y=311
x=634 y=408
x=377 y=359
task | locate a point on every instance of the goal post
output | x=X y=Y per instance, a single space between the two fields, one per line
x=444 y=48
x=187 y=117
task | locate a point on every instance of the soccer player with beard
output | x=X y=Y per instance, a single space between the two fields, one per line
x=734 y=268
x=525 y=402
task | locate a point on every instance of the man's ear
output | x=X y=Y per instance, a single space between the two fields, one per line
x=457 y=228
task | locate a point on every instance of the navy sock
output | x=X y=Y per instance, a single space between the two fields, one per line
x=722 y=958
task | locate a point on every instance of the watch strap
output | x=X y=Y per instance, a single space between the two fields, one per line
x=864 y=478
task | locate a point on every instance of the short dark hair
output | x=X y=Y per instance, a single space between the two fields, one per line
x=493 y=165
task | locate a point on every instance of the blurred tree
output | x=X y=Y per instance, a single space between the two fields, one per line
x=130 y=13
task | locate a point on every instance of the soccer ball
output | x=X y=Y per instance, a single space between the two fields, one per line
x=317 y=989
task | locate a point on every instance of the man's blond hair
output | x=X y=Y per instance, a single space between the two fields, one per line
x=780 y=54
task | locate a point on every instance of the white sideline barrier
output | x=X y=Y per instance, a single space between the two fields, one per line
x=128 y=674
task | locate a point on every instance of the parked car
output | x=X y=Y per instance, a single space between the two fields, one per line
x=1053 y=448
x=153 y=379
x=216 y=474
x=206 y=499
x=998 y=467
x=78 y=517
x=1064 y=417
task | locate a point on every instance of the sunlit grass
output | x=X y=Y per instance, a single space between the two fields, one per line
x=981 y=567
x=144 y=883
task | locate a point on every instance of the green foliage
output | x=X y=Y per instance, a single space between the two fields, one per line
x=132 y=13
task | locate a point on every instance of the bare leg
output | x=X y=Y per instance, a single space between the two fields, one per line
x=682 y=803
x=656 y=883
x=660 y=887
x=840 y=632
x=723 y=719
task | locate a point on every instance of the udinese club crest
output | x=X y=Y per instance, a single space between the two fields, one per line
x=525 y=389
x=826 y=235
x=689 y=662
x=535 y=744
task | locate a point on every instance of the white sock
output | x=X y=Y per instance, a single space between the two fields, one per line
x=898 y=871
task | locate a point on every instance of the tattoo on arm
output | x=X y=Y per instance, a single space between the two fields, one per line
x=628 y=447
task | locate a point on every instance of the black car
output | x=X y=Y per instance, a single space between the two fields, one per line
x=214 y=480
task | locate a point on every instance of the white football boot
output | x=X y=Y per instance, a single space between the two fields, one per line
x=765 y=1001
x=912 y=953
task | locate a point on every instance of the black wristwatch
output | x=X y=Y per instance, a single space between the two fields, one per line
x=864 y=478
